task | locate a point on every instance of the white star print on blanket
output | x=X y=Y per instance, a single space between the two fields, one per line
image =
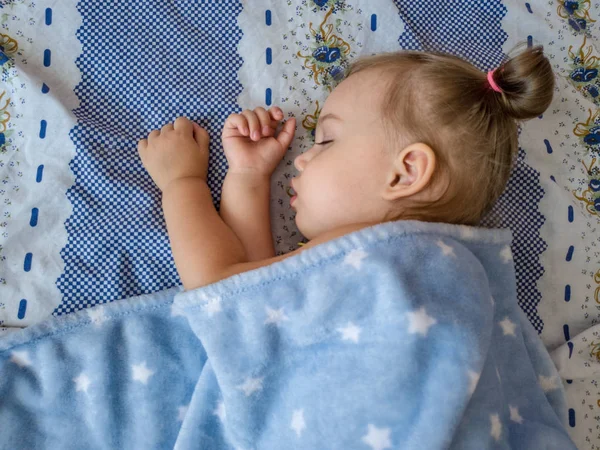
x=403 y=335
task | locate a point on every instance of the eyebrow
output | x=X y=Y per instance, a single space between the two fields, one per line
x=327 y=116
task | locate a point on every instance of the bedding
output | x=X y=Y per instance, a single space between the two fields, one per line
x=401 y=335
x=83 y=81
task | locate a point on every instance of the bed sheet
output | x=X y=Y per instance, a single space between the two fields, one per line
x=83 y=81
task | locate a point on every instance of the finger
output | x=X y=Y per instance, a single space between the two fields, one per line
x=276 y=113
x=142 y=145
x=286 y=134
x=236 y=122
x=153 y=135
x=167 y=127
x=266 y=124
x=200 y=135
x=253 y=124
x=183 y=124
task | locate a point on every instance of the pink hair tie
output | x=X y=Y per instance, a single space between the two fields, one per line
x=490 y=77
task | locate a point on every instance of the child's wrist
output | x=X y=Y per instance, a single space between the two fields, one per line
x=177 y=182
x=249 y=179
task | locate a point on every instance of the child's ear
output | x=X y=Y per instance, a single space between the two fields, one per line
x=410 y=173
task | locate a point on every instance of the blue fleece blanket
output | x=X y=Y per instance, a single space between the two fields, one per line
x=402 y=335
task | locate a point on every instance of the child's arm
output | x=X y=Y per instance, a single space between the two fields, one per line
x=253 y=152
x=245 y=209
x=203 y=246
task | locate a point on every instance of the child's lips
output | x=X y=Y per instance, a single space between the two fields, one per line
x=291 y=191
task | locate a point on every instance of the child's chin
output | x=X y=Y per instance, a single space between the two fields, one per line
x=302 y=228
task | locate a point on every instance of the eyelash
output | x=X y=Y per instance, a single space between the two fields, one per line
x=324 y=142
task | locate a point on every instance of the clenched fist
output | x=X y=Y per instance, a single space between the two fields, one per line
x=178 y=150
x=249 y=140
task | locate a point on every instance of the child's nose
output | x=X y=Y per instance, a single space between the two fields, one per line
x=299 y=163
x=301 y=160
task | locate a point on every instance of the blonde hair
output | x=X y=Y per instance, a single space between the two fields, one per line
x=448 y=104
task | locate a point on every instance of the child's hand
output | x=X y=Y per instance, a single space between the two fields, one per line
x=178 y=150
x=249 y=142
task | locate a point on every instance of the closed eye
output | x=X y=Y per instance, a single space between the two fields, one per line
x=323 y=143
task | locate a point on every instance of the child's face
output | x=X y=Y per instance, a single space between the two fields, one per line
x=341 y=182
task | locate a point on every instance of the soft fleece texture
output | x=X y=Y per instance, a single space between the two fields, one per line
x=402 y=335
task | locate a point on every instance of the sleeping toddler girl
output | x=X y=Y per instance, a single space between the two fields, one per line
x=403 y=334
x=406 y=135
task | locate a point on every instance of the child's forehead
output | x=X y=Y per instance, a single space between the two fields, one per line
x=360 y=94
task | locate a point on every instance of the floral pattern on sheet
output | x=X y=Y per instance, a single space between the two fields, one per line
x=595 y=351
x=588 y=134
x=584 y=75
x=322 y=39
x=325 y=51
x=579 y=66
x=577 y=15
x=574 y=142
x=328 y=54
x=591 y=195
x=10 y=88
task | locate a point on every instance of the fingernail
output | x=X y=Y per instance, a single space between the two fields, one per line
x=266 y=130
x=245 y=131
x=255 y=135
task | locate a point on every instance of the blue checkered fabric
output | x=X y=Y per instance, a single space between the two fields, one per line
x=470 y=29
x=142 y=66
x=517 y=209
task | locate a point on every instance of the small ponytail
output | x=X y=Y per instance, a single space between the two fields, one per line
x=526 y=82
